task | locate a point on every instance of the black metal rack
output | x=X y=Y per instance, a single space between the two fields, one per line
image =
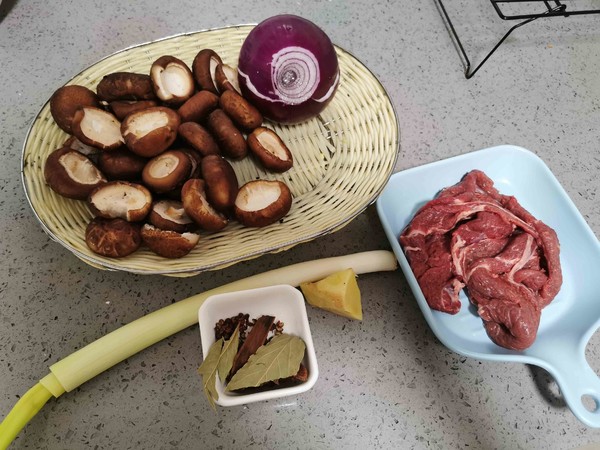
x=544 y=8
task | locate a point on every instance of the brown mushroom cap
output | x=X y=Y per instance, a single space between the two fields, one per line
x=220 y=182
x=270 y=150
x=65 y=102
x=114 y=238
x=172 y=80
x=170 y=215
x=72 y=174
x=121 y=199
x=168 y=244
x=203 y=68
x=98 y=128
x=240 y=110
x=198 y=106
x=121 y=164
x=166 y=171
x=125 y=86
x=122 y=108
x=198 y=138
x=229 y=138
x=262 y=202
x=226 y=78
x=151 y=131
x=196 y=205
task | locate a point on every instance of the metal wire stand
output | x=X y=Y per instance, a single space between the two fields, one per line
x=548 y=8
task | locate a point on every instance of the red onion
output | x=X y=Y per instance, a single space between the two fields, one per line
x=288 y=69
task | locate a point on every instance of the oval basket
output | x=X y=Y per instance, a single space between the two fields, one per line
x=342 y=160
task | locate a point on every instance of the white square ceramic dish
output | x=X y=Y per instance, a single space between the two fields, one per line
x=282 y=301
x=573 y=316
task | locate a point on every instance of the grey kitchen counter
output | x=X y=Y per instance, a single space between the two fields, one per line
x=385 y=382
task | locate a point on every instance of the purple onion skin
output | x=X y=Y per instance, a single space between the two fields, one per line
x=255 y=68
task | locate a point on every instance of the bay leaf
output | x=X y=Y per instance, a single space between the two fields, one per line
x=208 y=370
x=230 y=349
x=280 y=358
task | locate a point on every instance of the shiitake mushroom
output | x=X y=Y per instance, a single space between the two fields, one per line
x=220 y=182
x=167 y=243
x=240 y=110
x=65 y=102
x=172 y=80
x=121 y=199
x=270 y=150
x=167 y=171
x=97 y=127
x=198 y=106
x=203 y=69
x=199 y=138
x=72 y=174
x=125 y=86
x=114 y=238
x=262 y=202
x=170 y=215
x=150 y=131
x=196 y=205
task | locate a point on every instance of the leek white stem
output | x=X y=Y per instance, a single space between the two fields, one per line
x=102 y=354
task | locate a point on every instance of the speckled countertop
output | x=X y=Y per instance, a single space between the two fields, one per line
x=385 y=382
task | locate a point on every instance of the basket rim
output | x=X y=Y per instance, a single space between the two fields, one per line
x=107 y=265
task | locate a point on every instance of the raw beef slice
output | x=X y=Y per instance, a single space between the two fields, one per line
x=471 y=236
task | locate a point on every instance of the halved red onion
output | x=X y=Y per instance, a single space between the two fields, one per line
x=288 y=69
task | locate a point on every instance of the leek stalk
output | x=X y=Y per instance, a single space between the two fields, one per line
x=102 y=354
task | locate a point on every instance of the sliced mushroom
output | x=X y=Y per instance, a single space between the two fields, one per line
x=65 y=102
x=72 y=174
x=203 y=68
x=199 y=138
x=122 y=164
x=240 y=110
x=168 y=244
x=121 y=199
x=151 y=131
x=229 y=138
x=167 y=171
x=220 y=182
x=121 y=108
x=270 y=150
x=172 y=80
x=170 y=215
x=262 y=202
x=226 y=78
x=198 y=106
x=114 y=238
x=125 y=86
x=196 y=205
x=98 y=128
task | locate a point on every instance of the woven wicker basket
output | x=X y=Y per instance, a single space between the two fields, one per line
x=342 y=160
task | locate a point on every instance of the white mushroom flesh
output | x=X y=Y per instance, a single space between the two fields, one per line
x=163 y=166
x=118 y=199
x=232 y=75
x=101 y=127
x=257 y=196
x=173 y=211
x=212 y=67
x=142 y=124
x=271 y=144
x=80 y=169
x=192 y=238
